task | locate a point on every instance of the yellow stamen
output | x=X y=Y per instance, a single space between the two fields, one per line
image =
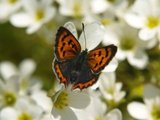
x=62 y=100
x=152 y=22
x=24 y=116
x=9 y=98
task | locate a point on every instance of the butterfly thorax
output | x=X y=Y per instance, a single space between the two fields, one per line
x=78 y=66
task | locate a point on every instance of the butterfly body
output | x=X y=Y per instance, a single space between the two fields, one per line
x=79 y=68
x=76 y=70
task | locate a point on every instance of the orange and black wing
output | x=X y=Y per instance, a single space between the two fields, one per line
x=59 y=73
x=67 y=47
x=97 y=59
x=85 y=78
x=86 y=84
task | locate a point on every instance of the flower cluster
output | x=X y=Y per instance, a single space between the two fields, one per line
x=127 y=88
x=21 y=95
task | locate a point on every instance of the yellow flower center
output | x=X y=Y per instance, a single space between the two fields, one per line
x=110 y=90
x=127 y=43
x=62 y=100
x=155 y=112
x=39 y=15
x=105 y=21
x=98 y=118
x=12 y=1
x=152 y=22
x=24 y=84
x=77 y=9
x=9 y=98
x=24 y=116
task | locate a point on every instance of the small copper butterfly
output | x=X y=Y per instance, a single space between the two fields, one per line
x=79 y=68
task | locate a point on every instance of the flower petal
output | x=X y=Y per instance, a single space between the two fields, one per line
x=49 y=14
x=99 y=6
x=115 y=114
x=79 y=99
x=71 y=27
x=65 y=114
x=34 y=27
x=112 y=66
x=121 y=54
x=138 y=59
x=147 y=34
x=8 y=113
x=94 y=34
x=27 y=67
x=20 y=20
x=5 y=14
x=137 y=110
x=7 y=69
x=42 y=100
x=134 y=20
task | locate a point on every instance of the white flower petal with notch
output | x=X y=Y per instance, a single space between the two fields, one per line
x=27 y=67
x=112 y=66
x=7 y=113
x=34 y=27
x=137 y=110
x=115 y=114
x=134 y=20
x=94 y=34
x=21 y=20
x=147 y=33
x=138 y=59
x=7 y=69
x=79 y=99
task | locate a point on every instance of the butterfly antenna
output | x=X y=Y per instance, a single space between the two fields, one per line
x=84 y=34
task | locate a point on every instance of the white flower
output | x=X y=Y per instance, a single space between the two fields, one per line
x=145 y=15
x=100 y=6
x=65 y=100
x=25 y=69
x=27 y=83
x=111 y=90
x=45 y=102
x=130 y=47
x=25 y=109
x=9 y=91
x=7 y=8
x=74 y=8
x=150 y=109
x=35 y=14
x=97 y=110
x=41 y=98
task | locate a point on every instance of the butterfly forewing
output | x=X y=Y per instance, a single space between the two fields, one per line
x=67 y=47
x=97 y=59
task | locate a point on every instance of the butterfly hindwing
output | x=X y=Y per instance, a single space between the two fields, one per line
x=67 y=47
x=85 y=78
x=82 y=85
x=59 y=73
x=97 y=59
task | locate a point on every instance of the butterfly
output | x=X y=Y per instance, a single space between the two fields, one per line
x=79 y=68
